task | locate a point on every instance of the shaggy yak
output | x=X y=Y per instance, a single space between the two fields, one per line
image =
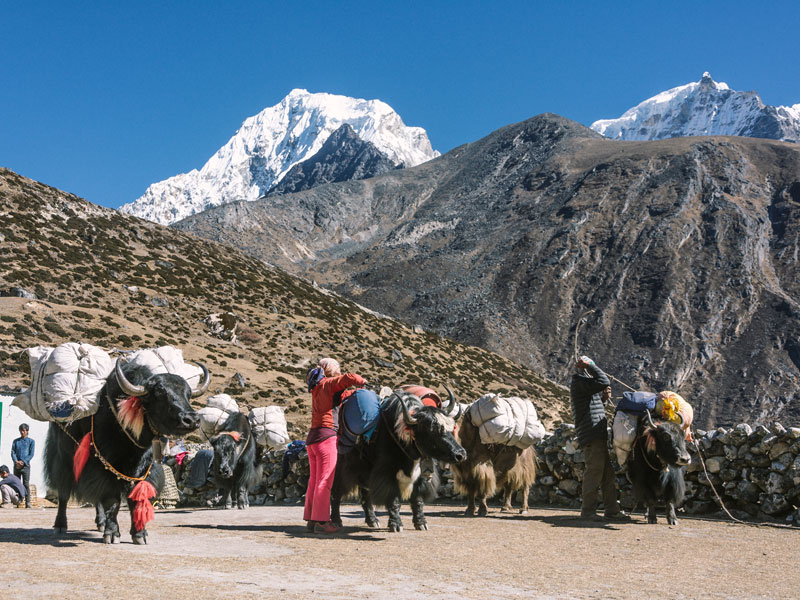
x=235 y=456
x=98 y=458
x=385 y=468
x=489 y=467
x=656 y=466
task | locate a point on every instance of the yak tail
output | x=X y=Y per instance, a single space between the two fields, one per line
x=143 y=512
x=81 y=456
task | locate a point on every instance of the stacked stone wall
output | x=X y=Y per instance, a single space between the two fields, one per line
x=755 y=471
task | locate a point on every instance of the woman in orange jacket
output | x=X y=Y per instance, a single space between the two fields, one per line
x=324 y=382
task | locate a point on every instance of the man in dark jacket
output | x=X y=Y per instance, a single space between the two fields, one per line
x=11 y=489
x=588 y=390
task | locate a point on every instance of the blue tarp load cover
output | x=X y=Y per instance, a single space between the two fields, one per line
x=637 y=402
x=358 y=417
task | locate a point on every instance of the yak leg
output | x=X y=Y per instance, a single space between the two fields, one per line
x=369 y=509
x=508 y=494
x=226 y=497
x=470 y=512
x=138 y=537
x=672 y=519
x=99 y=517
x=418 y=510
x=60 y=525
x=336 y=498
x=111 y=530
x=242 y=501
x=651 y=513
x=483 y=508
x=525 y=493
x=393 y=508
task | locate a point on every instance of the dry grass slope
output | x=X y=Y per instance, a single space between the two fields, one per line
x=119 y=282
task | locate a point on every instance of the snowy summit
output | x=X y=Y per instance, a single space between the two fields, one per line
x=704 y=107
x=270 y=143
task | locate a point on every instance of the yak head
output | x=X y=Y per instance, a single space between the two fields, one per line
x=431 y=430
x=668 y=441
x=161 y=399
x=229 y=445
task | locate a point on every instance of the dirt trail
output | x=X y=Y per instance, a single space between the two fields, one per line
x=264 y=552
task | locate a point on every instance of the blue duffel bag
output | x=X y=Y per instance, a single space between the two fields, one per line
x=637 y=402
x=358 y=417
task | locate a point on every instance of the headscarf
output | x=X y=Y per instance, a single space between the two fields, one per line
x=330 y=366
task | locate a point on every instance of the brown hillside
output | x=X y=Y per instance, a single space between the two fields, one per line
x=119 y=282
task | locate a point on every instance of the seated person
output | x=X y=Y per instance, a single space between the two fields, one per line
x=11 y=489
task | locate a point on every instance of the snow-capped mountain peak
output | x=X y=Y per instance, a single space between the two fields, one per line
x=269 y=144
x=704 y=107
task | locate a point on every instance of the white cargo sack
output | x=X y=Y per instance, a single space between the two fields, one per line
x=510 y=421
x=268 y=425
x=168 y=359
x=213 y=416
x=65 y=382
x=624 y=432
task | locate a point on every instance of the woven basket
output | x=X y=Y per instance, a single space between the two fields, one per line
x=169 y=495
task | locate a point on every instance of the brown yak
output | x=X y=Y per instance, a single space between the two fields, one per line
x=490 y=467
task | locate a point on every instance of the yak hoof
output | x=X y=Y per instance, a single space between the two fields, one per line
x=111 y=538
x=59 y=530
x=140 y=540
x=505 y=509
x=374 y=524
x=395 y=528
x=421 y=526
x=523 y=511
x=228 y=506
x=482 y=512
x=101 y=527
x=470 y=512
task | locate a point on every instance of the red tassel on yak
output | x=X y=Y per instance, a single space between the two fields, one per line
x=81 y=456
x=143 y=512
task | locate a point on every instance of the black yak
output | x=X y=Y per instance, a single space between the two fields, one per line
x=386 y=467
x=656 y=466
x=234 y=466
x=98 y=458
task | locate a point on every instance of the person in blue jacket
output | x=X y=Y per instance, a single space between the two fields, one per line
x=22 y=450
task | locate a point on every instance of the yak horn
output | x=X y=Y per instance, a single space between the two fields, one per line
x=205 y=383
x=680 y=416
x=649 y=419
x=126 y=386
x=407 y=416
x=453 y=409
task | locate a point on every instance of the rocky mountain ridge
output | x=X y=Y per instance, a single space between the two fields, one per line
x=270 y=143
x=686 y=249
x=705 y=107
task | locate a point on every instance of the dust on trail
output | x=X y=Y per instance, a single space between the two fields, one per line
x=264 y=552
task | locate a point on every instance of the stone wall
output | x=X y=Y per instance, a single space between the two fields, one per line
x=756 y=472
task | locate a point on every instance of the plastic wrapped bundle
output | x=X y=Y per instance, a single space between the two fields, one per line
x=624 y=431
x=167 y=359
x=217 y=410
x=65 y=382
x=268 y=425
x=510 y=421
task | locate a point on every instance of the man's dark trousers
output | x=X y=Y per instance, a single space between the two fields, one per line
x=25 y=475
x=599 y=474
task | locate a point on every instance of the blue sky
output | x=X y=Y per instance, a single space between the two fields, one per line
x=103 y=98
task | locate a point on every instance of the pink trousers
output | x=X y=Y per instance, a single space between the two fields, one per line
x=322 y=464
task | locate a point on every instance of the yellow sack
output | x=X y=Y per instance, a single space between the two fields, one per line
x=669 y=405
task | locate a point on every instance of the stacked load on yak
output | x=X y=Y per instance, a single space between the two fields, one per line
x=268 y=425
x=427 y=396
x=511 y=421
x=358 y=417
x=167 y=359
x=672 y=407
x=217 y=410
x=65 y=382
x=626 y=421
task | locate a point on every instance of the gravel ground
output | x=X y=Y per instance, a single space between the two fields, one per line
x=264 y=552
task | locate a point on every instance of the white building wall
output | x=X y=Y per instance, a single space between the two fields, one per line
x=12 y=417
